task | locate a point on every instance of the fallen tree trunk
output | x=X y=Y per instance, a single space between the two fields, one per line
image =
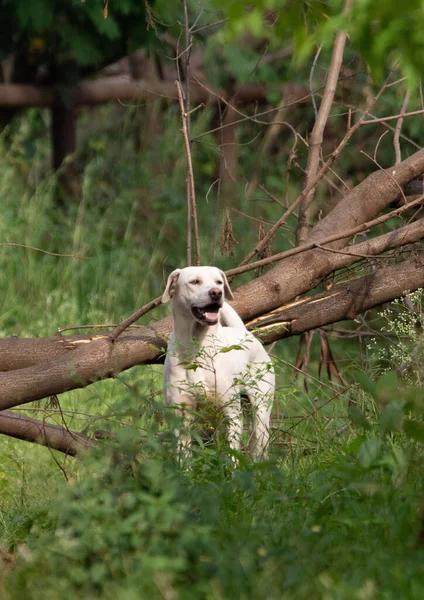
x=20 y=353
x=90 y=359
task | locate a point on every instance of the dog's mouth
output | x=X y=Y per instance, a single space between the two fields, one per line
x=206 y=314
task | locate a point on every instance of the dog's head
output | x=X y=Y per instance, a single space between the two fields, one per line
x=198 y=291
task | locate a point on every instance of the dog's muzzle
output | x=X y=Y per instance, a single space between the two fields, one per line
x=206 y=314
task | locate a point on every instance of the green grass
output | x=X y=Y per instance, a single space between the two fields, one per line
x=334 y=512
x=133 y=524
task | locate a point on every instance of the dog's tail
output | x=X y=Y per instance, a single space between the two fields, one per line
x=229 y=317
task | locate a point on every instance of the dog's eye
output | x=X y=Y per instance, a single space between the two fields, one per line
x=195 y=281
x=219 y=282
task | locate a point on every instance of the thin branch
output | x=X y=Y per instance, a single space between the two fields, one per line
x=94 y=326
x=345 y=253
x=77 y=255
x=311 y=76
x=207 y=26
x=333 y=238
x=398 y=128
x=317 y=134
x=393 y=117
x=244 y=117
x=191 y=192
x=134 y=317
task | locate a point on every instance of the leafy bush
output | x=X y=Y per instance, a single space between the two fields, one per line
x=134 y=525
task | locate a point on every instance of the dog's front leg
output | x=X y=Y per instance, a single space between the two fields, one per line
x=185 y=405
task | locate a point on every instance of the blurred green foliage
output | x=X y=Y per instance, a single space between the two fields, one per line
x=386 y=34
x=60 y=40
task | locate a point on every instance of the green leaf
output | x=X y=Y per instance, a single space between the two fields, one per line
x=369 y=452
x=189 y=366
x=230 y=348
x=387 y=387
x=355 y=445
x=357 y=416
x=391 y=417
x=367 y=384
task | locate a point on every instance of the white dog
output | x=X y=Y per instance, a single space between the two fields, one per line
x=211 y=352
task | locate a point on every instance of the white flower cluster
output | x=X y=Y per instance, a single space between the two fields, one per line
x=401 y=343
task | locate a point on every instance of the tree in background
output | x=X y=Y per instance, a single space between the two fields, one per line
x=58 y=42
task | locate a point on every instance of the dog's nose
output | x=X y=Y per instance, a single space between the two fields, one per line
x=215 y=293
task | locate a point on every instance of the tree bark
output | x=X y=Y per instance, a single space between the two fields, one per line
x=342 y=302
x=32 y=430
x=63 y=133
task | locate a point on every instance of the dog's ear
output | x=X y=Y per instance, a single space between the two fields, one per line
x=170 y=285
x=227 y=291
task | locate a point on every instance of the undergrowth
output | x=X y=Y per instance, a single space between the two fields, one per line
x=332 y=523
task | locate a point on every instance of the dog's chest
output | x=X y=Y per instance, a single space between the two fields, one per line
x=206 y=375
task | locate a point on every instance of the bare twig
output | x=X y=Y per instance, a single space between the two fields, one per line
x=96 y=326
x=191 y=206
x=311 y=76
x=378 y=143
x=218 y=95
x=77 y=255
x=398 y=127
x=314 y=180
x=134 y=317
x=393 y=117
x=191 y=193
x=338 y=236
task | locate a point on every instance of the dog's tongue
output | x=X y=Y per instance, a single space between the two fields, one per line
x=212 y=315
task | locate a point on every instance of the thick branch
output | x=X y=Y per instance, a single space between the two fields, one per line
x=342 y=302
x=38 y=432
